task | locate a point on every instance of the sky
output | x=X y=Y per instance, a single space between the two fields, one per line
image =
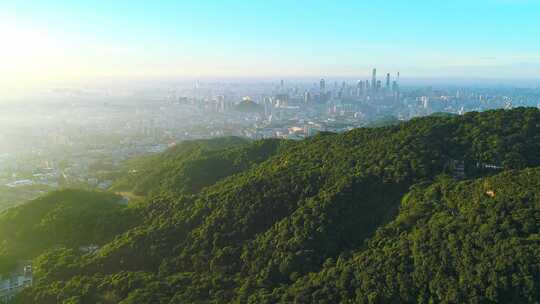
x=46 y=41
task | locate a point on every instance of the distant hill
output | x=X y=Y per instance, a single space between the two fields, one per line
x=384 y=122
x=69 y=218
x=193 y=165
x=374 y=215
x=443 y=114
x=10 y=197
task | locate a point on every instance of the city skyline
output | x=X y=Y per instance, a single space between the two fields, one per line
x=59 y=41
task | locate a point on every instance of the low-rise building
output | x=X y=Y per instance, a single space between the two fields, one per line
x=10 y=286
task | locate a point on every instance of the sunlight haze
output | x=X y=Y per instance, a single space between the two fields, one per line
x=55 y=41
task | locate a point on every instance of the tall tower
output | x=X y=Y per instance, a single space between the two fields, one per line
x=359 y=88
x=374 y=80
x=395 y=88
x=323 y=86
x=388 y=81
x=307 y=97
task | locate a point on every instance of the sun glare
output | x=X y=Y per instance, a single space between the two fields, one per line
x=26 y=52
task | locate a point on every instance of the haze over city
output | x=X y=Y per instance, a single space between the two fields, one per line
x=52 y=42
x=263 y=152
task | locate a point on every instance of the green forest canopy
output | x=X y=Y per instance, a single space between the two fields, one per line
x=373 y=215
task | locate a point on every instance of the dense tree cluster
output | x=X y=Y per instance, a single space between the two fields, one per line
x=193 y=165
x=468 y=242
x=373 y=215
x=67 y=218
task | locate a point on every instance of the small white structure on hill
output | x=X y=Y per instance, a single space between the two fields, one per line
x=9 y=287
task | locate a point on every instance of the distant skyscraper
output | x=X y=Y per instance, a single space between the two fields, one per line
x=395 y=90
x=322 y=86
x=359 y=88
x=282 y=85
x=388 y=81
x=197 y=86
x=374 y=79
x=221 y=103
x=268 y=107
x=307 y=97
x=282 y=99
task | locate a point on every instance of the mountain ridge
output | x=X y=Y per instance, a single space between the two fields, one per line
x=269 y=231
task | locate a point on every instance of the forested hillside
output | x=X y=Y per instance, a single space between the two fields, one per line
x=10 y=197
x=370 y=216
x=469 y=242
x=70 y=218
x=192 y=165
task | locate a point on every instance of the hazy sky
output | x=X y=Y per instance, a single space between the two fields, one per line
x=45 y=41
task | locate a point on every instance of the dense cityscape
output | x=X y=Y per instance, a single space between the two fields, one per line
x=82 y=137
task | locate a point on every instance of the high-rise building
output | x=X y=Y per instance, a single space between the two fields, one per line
x=388 y=81
x=282 y=99
x=360 y=88
x=322 y=87
x=268 y=105
x=374 y=80
x=307 y=97
x=221 y=106
x=395 y=90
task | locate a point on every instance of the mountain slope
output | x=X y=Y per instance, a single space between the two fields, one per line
x=252 y=236
x=70 y=218
x=476 y=241
x=193 y=165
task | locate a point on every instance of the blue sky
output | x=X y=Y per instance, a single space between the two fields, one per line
x=54 y=40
